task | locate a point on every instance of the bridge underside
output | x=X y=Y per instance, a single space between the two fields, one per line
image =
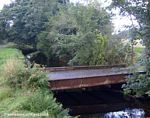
x=99 y=100
x=85 y=90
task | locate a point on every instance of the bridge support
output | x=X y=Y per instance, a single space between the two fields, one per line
x=102 y=99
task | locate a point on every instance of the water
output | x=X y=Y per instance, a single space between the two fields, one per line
x=128 y=113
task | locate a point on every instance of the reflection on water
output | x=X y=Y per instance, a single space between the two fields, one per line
x=128 y=113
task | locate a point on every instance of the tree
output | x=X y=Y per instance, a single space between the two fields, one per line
x=58 y=41
x=118 y=52
x=65 y=33
x=91 y=51
x=24 y=19
x=3 y=33
x=79 y=36
x=141 y=11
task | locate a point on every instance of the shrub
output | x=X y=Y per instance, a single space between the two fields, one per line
x=10 y=45
x=118 y=52
x=137 y=85
x=5 y=93
x=7 y=53
x=42 y=100
x=37 y=79
x=15 y=73
x=30 y=91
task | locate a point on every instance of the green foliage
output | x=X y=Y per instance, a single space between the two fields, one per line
x=91 y=51
x=118 y=52
x=76 y=36
x=5 y=93
x=3 y=32
x=41 y=101
x=138 y=85
x=23 y=20
x=32 y=102
x=25 y=91
x=59 y=29
x=15 y=74
x=6 y=53
x=139 y=50
x=140 y=10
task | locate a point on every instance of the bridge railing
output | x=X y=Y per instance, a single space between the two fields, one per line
x=52 y=69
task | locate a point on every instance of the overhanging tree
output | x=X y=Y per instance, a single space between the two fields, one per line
x=80 y=35
x=24 y=19
x=140 y=9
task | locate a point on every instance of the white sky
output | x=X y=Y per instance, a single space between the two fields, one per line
x=2 y=2
x=118 y=21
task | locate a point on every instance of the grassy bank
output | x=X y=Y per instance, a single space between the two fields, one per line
x=7 y=53
x=23 y=91
x=138 y=53
x=139 y=50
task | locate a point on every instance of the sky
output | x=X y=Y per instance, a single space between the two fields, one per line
x=118 y=21
x=2 y=2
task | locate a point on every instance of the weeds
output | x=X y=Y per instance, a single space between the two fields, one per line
x=25 y=91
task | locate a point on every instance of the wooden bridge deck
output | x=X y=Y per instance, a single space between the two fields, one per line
x=83 y=77
x=75 y=74
x=89 y=90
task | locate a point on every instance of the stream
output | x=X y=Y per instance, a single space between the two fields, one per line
x=128 y=113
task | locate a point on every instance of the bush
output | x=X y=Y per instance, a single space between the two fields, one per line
x=15 y=73
x=37 y=79
x=7 y=53
x=40 y=101
x=137 y=85
x=118 y=52
x=5 y=93
x=10 y=45
x=30 y=92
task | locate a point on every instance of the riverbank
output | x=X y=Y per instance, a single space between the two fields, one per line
x=23 y=91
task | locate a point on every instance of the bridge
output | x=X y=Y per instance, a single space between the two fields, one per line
x=93 y=89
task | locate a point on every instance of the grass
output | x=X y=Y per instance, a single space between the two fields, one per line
x=24 y=90
x=7 y=53
x=138 y=52
x=6 y=93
